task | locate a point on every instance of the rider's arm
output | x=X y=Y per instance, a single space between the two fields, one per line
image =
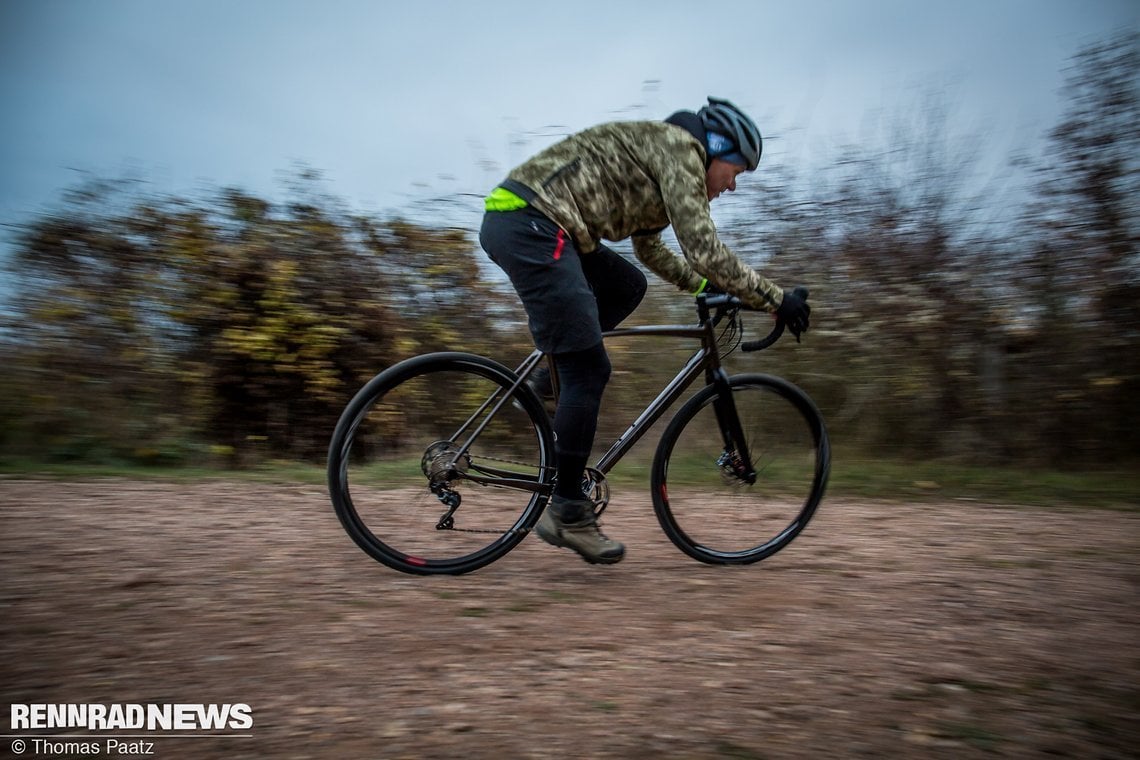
x=652 y=252
x=686 y=200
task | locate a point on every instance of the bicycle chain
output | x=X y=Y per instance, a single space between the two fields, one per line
x=521 y=531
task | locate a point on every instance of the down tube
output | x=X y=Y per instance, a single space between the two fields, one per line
x=665 y=399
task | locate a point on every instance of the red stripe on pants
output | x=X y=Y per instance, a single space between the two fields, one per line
x=561 y=242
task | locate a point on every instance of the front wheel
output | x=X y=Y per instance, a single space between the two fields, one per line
x=434 y=469
x=715 y=508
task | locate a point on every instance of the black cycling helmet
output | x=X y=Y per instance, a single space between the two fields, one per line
x=725 y=119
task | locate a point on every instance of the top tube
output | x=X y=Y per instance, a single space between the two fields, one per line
x=710 y=308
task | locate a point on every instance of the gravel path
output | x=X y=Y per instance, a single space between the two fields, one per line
x=885 y=630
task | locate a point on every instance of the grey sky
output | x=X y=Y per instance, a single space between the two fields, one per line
x=397 y=102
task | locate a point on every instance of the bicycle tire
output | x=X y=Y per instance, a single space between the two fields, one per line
x=391 y=443
x=744 y=522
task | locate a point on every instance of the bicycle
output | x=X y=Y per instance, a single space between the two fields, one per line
x=464 y=433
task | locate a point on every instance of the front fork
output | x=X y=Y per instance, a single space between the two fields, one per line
x=736 y=458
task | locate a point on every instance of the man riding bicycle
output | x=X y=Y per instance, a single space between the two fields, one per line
x=544 y=225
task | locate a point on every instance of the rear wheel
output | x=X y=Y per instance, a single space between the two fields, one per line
x=411 y=456
x=709 y=504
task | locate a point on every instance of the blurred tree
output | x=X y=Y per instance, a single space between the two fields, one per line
x=141 y=326
x=1077 y=373
x=84 y=340
x=937 y=334
x=884 y=239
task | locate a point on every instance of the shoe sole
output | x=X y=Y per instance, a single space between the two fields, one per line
x=555 y=540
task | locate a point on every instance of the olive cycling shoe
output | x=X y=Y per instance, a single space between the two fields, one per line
x=572 y=524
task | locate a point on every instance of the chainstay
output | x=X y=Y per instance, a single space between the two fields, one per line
x=512 y=461
x=489 y=531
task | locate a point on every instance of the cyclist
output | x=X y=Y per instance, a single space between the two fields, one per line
x=544 y=225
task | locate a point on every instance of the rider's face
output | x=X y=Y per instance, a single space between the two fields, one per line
x=721 y=176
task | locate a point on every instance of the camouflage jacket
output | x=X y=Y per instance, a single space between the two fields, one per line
x=634 y=179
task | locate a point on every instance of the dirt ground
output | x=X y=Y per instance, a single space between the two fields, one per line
x=885 y=630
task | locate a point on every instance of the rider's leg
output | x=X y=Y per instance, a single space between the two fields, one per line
x=618 y=285
x=582 y=377
x=618 y=288
x=570 y=521
x=546 y=270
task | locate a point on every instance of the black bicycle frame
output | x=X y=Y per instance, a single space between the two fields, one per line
x=705 y=360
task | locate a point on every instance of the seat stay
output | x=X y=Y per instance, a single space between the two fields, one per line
x=522 y=373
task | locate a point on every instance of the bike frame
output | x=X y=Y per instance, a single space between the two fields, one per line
x=705 y=360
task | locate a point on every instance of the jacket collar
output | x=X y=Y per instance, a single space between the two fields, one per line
x=691 y=123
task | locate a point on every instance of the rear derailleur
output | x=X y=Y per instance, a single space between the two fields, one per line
x=441 y=467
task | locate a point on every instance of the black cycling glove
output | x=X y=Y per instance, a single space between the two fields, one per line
x=794 y=311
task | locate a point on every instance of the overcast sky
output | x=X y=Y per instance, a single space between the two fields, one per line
x=396 y=102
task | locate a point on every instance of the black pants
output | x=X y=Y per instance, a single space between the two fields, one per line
x=570 y=299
